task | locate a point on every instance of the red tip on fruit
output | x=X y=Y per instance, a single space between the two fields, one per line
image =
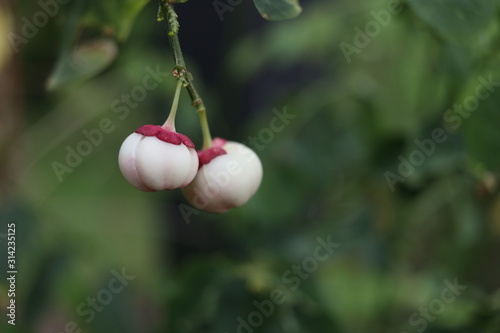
x=165 y=135
x=185 y=140
x=218 y=142
x=205 y=156
x=169 y=137
x=149 y=130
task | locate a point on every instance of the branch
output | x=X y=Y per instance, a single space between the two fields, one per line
x=180 y=71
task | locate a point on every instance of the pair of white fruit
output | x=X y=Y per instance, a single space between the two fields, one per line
x=224 y=176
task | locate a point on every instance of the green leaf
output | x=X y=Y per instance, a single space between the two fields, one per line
x=458 y=21
x=276 y=10
x=87 y=60
x=113 y=17
x=480 y=118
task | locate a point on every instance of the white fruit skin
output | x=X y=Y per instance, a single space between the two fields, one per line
x=150 y=164
x=126 y=161
x=227 y=181
x=194 y=167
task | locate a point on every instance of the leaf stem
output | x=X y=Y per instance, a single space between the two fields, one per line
x=180 y=71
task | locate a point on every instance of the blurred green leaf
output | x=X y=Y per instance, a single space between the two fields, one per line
x=114 y=17
x=480 y=126
x=86 y=60
x=458 y=21
x=276 y=10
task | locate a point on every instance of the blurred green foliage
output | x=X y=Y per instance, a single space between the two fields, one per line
x=325 y=174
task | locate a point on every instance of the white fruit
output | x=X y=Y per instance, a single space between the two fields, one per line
x=150 y=164
x=227 y=181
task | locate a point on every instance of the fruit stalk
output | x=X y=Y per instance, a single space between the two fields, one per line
x=170 y=123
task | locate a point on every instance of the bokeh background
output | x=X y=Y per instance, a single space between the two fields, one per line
x=400 y=245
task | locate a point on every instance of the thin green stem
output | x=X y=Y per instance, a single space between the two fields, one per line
x=170 y=123
x=180 y=70
x=207 y=138
x=173 y=29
